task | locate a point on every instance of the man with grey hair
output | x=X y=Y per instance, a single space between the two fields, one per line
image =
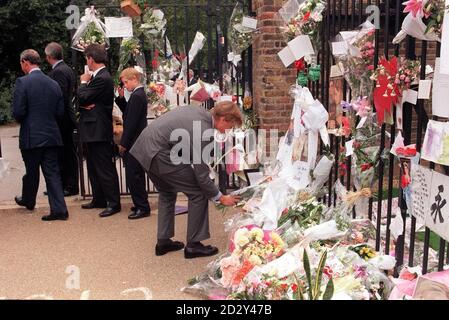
x=38 y=105
x=65 y=77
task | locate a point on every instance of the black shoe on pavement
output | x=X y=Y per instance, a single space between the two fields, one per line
x=110 y=211
x=54 y=217
x=168 y=246
x=20 y=202
x=92 y=205
x=196 y=250
x=138 y=214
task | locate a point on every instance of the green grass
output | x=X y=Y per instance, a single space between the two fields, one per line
x=434 y=239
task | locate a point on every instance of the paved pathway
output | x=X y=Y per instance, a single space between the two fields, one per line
x=114 y=257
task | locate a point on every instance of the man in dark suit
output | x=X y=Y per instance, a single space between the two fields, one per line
x=96 y=99
x=65 y=77
x=134 y=122
x=188 y=131
x=38 y=105
x=192 y=79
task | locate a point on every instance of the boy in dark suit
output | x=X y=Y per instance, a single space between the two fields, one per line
x=134 y=122
x=38 y=106
x=96 y=99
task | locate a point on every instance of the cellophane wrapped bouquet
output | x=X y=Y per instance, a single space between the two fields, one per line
x=358 y=62
x=91 y=31
x=307 y=21
x=240 y=37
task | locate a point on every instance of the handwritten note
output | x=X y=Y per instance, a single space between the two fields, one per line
x=339 y=48
x=420 y=185
x=440 y=92
x=249 y=22
x=424 y=89
x=119 y=27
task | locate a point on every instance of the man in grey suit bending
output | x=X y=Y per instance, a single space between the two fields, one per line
x=175 y=150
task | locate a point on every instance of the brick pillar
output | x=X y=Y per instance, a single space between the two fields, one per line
x=271 y=80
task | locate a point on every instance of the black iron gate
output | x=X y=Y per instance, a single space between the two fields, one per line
x=348 y=15
x=211 y=17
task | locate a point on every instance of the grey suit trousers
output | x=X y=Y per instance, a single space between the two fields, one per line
x=168 y=185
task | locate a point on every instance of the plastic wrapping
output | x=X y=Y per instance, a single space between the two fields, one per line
x=153 y=28
x=306 y=21
x=197 y=46
x=424 y=21
x=91 y=31
x=131 y=55
x=357 y=63
x=240 y=37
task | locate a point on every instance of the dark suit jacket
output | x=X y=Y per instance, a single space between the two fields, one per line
x=186 y=128
x=38 y=105
x=134 y=116
x=65 y=77
x=96 y=124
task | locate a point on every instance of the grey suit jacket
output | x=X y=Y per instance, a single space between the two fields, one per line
x=182 y=137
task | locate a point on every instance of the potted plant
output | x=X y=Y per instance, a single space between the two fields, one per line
x=130 y=8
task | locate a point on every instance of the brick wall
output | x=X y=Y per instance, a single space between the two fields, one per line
x=271 y=80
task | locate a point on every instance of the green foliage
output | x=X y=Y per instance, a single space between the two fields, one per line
x=314 y=285
x=27 y=24
x=5 y=105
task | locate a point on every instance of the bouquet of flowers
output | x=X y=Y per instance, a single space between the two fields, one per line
x=90 y=31
x=407 y=74
x=391 y=80
x=153 y=27
x=358 y=62
x=130 y=55
x=424 y=20
x=240 y=37
x=250 y=246
x=156 y=98
x=307 y=21
x=249 y=113
x=306 y=213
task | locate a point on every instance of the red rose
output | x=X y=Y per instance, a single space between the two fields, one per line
x=300 y=65
x=294 y=287
x=366 y=166
x=306 y=16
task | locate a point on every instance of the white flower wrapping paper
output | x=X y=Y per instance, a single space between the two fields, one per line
x=415 y=27
x=89 y=17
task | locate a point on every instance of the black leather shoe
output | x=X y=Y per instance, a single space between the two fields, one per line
x=22 y=203
x=110 y=211
x=92 y=205
x=199 y=250
x=138 y=214
x=169 y=247
x=54 y=217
